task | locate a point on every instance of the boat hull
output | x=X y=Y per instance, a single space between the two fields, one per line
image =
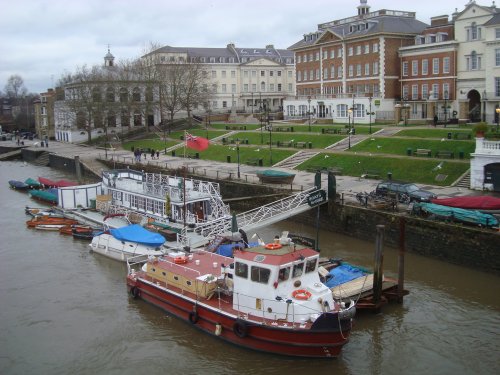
x=286 y=339
x=105 y=244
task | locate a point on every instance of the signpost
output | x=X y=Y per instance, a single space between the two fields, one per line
x=316 y=198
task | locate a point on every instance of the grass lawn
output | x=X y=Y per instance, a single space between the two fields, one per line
x=421 y=170
x=433 y=133
x=399 y=146
x=317 y=140
x=247 y=153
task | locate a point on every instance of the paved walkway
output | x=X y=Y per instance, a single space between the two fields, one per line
x=346 y=185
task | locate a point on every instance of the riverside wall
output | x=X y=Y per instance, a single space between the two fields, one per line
x=455 y=243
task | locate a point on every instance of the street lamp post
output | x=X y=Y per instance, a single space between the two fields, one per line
x=260 y=120
x=252 y=102
x=497 y=110
x=309 y=112
x=349 y=111
x=370 y=113
x=238 y=155
x=353 y=107
x=405 y=109
x=445 y=107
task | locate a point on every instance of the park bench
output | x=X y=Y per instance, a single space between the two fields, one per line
x=254 y=161
x=281 y=129
x=422 y=152
x=300 y=144
x=236 y=127
x=371 y=173
x=460 y=135
x=285 y=144
x=445 y=154
x=329 y=131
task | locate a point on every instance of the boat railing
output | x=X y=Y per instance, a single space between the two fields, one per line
x=134 y=264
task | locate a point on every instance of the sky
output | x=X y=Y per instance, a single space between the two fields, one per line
x=43 y=39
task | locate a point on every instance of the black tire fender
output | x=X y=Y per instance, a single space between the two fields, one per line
x=135 y=292
x=240 y=328
x=193 y=317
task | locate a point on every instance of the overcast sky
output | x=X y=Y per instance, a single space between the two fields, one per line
x=41 y=39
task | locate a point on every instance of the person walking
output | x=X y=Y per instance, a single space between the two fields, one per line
x=435 y=120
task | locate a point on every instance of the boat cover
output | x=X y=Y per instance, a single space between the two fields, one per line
x=32 y=183
x=274 y=173
x=49 y=195
x=60 y=183
x=136 y=233
x=480 y=202
x=344 y=273
x=17 y=184
x=458 y=214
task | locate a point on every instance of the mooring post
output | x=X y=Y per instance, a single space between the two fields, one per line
x=78 y=168
x=379 y=261
x=401 y=260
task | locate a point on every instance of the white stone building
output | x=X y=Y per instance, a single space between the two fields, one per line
x=485 y=165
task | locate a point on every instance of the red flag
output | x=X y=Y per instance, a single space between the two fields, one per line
x=196 y=143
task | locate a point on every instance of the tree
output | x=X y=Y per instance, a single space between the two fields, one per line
x=15 y=89
x=195 y=87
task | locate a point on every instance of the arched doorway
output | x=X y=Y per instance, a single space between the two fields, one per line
x=492 y=175
x=474 y=106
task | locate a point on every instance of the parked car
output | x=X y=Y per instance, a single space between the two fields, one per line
x=412 y=191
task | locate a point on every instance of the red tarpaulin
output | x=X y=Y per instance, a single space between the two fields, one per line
x=196 y=143
x=480 y=202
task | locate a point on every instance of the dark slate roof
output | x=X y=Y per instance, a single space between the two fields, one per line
x=230 y=51
x=495 y=20
x=376 y=25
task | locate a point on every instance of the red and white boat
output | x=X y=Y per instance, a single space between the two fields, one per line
x=268 y=298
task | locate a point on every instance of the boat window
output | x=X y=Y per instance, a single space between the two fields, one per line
x=241 y=270
x=152 y=269
x=284 y=274
x=164 y=273
x=298 y=269
x=260 y=275
x=311 y=265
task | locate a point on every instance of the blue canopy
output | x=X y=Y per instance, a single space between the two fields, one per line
x=136 y=233
x=344 y=273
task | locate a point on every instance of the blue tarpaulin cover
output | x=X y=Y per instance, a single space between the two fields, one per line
x=227 y=250
x=344 y=273
x=136 y=233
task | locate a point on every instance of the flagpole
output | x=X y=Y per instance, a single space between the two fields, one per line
x=185 y=143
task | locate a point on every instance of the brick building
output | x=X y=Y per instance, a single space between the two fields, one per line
x=349 y=65
x=428 y=74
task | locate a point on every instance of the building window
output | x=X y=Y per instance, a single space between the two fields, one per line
x=271 y=73
x=305 y=58
x=358 y=70
x=375 y=47
x=332 y=54
x=340 y=72
x=279 y=87
x=425 y=91
x=405 y=92
x=497 y=33
x=414 y=68
x=317 y=56
x=214 y=74
x=254 y=87
x=311 y=74
x=233 y=88
x=224 y=88
x=367 y=69
x=497 y=86
x=290 y=74
x=446 y=65
x=245 y=73
x=325 y=55
x=262 y=73
x=367 y=49
x=342 y=110
x=435 y=66
x=223 y=74
x=446 y=91
x=358 y=50
x=332 y=72
x=405 y=68
x=262 y=86
x=349 y=51
x=299 y=59
x=425 y=67
x=339 y=53
x=414 y=92
x=254 y=73
x=473 y=61
x=325 y=74
x=317 y=74
x=290 y=87
x=279 y=73
x=311 y=57
x=497 y=57
x=224 y=104
x=233 y=74
x=351 y=70
x=435 y=91
x=245 y=87
x=375 y=68
x=271 y=87
x=305 y=75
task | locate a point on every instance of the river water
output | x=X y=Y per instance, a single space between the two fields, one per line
x=64 y=310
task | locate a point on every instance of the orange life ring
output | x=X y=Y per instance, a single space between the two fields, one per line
x=301 y=294
x=180 y=260
x=273 y=246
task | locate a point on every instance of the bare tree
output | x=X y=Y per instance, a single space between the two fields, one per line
x=170 y=87
x=195 y=88
x=15 y=89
